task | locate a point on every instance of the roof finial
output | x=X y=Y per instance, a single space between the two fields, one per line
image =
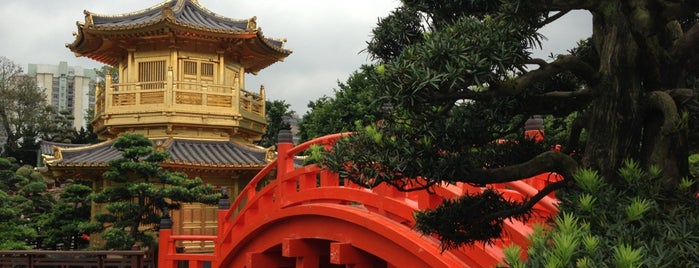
x=168 y=13
x=88 y=18
x=252 y=23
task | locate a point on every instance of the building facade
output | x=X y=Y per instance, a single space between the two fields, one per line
x=181 y=72
x=68 y=88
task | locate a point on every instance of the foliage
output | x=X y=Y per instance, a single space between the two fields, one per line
x=395 y=33
x=456 y=230
x=694 y=165
x=628 y=223
x=86 y=135
x=13 y=229
x=69 y=220
x=462 y=82
x=61 y=128
x=23 y=197
x=24 y=114
x=278 y=114
x=30 y=215
x=102 y=74
x=140 y=190
x=354 y=101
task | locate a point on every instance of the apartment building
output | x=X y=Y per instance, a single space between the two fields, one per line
x=68 y=88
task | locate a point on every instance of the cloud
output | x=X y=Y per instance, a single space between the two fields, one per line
x=327 y=37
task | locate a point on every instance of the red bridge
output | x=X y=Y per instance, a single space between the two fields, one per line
x=308 y=217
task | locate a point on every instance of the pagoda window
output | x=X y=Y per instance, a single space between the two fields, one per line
x=151 y=74
x=190 y=68
x=207 y=70
x=196 y=71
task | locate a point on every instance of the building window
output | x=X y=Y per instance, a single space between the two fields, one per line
x=190 y=67
x=151 y=74
x=197 y=70
x=207 y=69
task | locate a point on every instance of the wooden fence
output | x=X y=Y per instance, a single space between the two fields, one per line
x=74 y=259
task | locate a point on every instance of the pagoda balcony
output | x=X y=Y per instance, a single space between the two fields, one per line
x=178 y=97
x=183 y=108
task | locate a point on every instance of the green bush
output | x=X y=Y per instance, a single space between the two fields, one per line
x=630 y=221
x=694 y=165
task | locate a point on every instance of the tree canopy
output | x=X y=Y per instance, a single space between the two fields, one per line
x=460 y=76
x=141 y=192
x=23 y=200
x=67 y=224
x=26 y=116
x=277 y=112
x=24 y=113
x=355 y=100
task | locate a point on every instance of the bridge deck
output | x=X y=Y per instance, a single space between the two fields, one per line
x=309 y=217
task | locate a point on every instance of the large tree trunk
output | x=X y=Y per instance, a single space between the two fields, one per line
x=622 y=123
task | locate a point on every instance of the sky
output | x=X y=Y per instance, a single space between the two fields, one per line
x=327 y=37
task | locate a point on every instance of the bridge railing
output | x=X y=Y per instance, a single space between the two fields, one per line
x=282 y=184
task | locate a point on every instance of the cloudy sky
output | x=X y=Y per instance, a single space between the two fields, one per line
x=326 y=36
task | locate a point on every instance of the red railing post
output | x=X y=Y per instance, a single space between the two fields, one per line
x=285 y=163
x=165 y=248
x=224 y=205
x=427 y=200
x=284 y=145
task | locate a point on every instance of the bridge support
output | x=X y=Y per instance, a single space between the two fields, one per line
x=345 y=253
x=265 y=260
x=306 y=251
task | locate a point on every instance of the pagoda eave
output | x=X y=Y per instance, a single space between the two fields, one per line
x=108 y=45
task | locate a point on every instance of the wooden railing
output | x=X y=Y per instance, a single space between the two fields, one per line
x=98 y=259
x=189 y=95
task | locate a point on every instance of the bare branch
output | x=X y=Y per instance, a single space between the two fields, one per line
x=561 y=64
x=681 y=95
x=663 y=102
x=466 y=94
x=585 y=92
x=660 y=132
x=553 y=18
x=576 y=129
x=560 y=5
x=559 y=103
x=537 y=61
x=550 y=161
x=687 y=44
x=673 y=10
x=530 y=202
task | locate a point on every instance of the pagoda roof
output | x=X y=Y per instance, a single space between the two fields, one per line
x=183 y=152
x=99 y=34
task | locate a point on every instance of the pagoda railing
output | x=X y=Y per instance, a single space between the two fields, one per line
x=178 y=96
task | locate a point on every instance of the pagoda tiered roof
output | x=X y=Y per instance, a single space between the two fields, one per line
x=183 y=152
x=105 y=37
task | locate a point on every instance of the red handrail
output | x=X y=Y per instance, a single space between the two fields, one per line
x=312 y=188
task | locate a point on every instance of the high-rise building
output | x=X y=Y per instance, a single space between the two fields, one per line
x=69 y=88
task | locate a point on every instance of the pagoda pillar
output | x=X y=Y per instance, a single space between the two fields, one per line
x=130 y=67
x=221 y=67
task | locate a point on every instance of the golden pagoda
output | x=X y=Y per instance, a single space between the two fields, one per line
x=181 y=82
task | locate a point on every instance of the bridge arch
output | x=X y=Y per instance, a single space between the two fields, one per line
x=383 y=239
x=309 y=217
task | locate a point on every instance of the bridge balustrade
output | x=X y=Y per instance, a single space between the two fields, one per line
x=293 y=186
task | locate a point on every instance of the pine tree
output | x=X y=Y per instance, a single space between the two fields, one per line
x=65 y=225
x=141 y=190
